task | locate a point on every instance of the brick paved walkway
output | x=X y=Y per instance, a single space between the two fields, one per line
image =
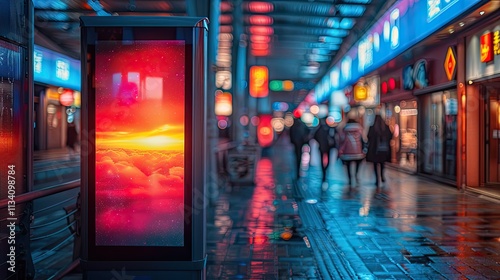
x=410 y=228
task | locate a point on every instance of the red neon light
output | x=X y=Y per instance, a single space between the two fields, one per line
x=226 y=7
x=255 y=52
x=259 y=46
x=225 y=29
x=261 y=30
x=392 y=84
x=225 y=19
x=260 y=20
x=383 y=87
x=66 y=98
x=265 y=132
x=297 y=113
x=260 y=38
x=260 y=7
x=486 y=47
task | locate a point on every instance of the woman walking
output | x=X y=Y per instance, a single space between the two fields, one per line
x=379 y=150
x=351 y=146
x=324 y=135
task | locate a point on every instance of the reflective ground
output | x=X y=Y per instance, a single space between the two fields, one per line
x=408 y=228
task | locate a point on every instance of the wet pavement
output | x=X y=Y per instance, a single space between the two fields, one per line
x=408 y=228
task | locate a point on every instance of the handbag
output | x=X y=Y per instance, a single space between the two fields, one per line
x=383 y=144
x=331 y=138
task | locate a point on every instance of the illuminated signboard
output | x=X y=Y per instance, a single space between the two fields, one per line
x=486 y=47
x=496 y=42
x=450 y=64
x=477 y=52
x=259 y=85
x=55 y=69
x=143 y=108
x=405 y=24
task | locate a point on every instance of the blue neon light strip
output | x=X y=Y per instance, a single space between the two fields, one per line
x=55 y=69
x=405 y=24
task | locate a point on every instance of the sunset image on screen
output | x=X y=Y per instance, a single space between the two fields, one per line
x=139 y=150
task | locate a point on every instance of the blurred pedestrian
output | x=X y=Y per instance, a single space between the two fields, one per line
x=299 y=135
x=351 y=146
x=379 y=150
x=325 y=136
x=71 y=140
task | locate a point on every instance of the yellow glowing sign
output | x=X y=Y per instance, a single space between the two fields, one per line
x=360 y=92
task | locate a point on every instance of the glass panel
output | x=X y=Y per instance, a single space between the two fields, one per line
x=437 y=132
x=140 y=135
x=450 y=134
x=11 y=121
x=492 y=139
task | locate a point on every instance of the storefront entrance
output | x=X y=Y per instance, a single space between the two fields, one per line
x=492 y=132
x=439 y=134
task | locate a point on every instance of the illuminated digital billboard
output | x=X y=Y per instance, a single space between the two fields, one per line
x=139 y=143
x=142 y=121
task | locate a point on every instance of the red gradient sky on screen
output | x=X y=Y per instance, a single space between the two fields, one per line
x=140 y=99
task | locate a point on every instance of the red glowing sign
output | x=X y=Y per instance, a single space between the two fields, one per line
x=66 y=98
x=261 y=30
x=486 y=47
x=383 y=87
x=265 y=132
x=392 y=83
x=260 y=20
x=260 y=7
x=450 y=64
x=139 y=149
x=259 y=78
x=256 y=52
x=260 y=39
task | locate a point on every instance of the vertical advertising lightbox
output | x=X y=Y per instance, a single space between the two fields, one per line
x=143 y=93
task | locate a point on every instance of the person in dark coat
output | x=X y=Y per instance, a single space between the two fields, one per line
x=299 y=135
x=351 y=146
x=324 y=135
x=379 y=150
x=71 y=139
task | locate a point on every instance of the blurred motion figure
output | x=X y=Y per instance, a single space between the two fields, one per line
x=351 y=145
x=299 y=135
x=72 y=140
x=325 y=136
x=379 y=151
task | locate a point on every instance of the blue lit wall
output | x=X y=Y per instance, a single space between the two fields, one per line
x=405 y=24
x=55 y=69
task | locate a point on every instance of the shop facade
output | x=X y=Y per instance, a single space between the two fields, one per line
x=400 y=109
x=482 y=89
x=438 y=104
x=419 y=100
x=57 y=97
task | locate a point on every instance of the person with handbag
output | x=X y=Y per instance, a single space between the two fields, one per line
x=351 y=146
x=379 y=150
x=299 y=136
x=324 y=135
